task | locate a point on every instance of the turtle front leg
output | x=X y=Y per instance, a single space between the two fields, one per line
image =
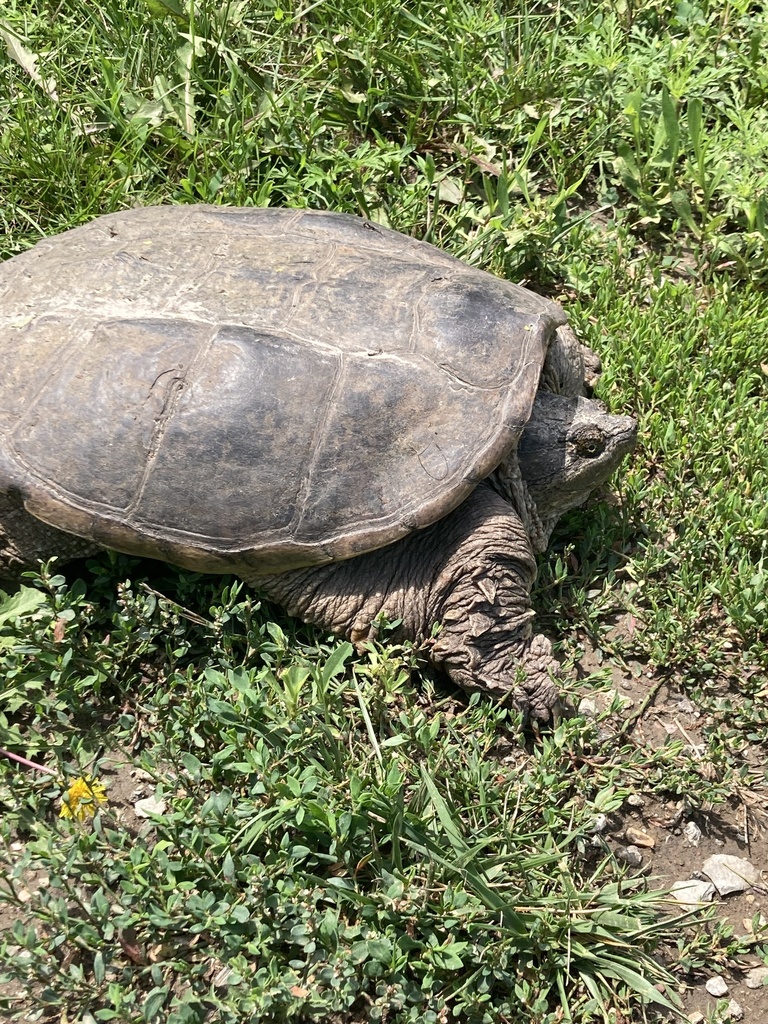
x=26 y=541
x=471 y=572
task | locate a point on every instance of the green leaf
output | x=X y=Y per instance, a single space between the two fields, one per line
x=682 y=207
x=191 y=763
x=694 y=128
x=336 y=663
x=671 y=124
x=380 y=949
x=99 y=971
x=631 y=174
x=154 y=1002
x=162 y=8
x=25 y=601
x=666 y=140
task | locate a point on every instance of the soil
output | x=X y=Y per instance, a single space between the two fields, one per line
x=738 y=827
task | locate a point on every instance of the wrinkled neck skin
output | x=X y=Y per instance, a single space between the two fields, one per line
x=471 y=572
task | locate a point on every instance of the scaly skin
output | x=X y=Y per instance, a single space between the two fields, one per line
x=25 y=541
x=471 y=572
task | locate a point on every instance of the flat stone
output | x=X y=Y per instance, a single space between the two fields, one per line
x=146 y=808
x=731 y=874
x=693 y=893
x=637 y=837
x=757 y=977
x=716 y=987
x=587 y=707
x=733 y=1011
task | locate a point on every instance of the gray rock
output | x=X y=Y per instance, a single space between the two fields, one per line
x=757 y=977
x=692 y=893
x=587 y=707
x=635 y=800
x=692 y=833
x=600 y=824
x=717 y=987
x=733 y=1011
x=629 y=855
x=731 y=874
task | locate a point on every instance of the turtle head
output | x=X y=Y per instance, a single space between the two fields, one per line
x=569 y=447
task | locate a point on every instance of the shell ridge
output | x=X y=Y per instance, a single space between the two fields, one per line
x=305 y=489
x=163 y=420
x=312 y=280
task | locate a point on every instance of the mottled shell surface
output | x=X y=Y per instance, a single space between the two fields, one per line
x=243 y=388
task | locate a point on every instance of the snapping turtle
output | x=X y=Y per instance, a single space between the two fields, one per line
x=350 y=419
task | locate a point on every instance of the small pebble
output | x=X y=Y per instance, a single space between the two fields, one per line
x=696 y=1017
x=692 y=833
x=757 y=977
x=635 y=800
x=629 y=855
x=750 y=922
x=692 y=893
x=716 y=987
x=733 y=1011
x=148 y=807
x=587 y=707
x=637 y=837
x=600 y=824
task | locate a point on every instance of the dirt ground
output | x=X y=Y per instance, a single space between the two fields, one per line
x=738 y=827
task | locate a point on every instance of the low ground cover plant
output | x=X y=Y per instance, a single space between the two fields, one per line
x=244 y=819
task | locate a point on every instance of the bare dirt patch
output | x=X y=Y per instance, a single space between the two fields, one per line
x=675 y=838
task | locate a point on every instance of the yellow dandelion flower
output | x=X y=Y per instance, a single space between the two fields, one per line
x=82 y=798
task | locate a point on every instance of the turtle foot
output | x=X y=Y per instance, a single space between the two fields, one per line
x=537 y=694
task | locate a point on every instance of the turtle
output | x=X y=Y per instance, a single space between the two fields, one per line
x=358 y=424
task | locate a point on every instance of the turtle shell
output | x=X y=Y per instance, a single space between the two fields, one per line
x=255 y=390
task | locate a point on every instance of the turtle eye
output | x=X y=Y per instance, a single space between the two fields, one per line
x=590 y=445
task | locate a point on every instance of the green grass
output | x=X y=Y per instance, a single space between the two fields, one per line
x=345 y=838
